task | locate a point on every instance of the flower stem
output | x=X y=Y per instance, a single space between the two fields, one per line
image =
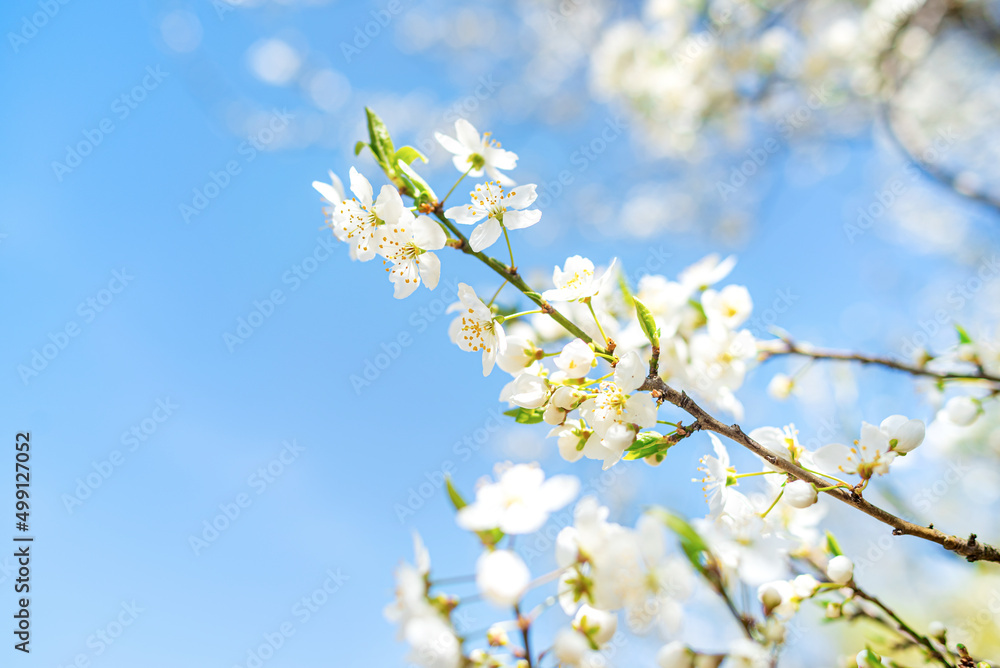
x=509 y=250
x=497 y=293
x=599 y=328
x=774 y=503
x=455 y=186
x=518 y=315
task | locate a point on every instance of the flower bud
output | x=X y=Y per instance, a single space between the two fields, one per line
x=937 y=630
x=596 y=624
x=840 y=570
x=780 y=386
x=570 y=647
x=497 y=636
x=553 y=415
x=674 y=655
x=800 y=494
x=502 y=577
x=962 y=411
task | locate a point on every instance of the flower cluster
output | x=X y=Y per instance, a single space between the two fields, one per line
x=596 y=359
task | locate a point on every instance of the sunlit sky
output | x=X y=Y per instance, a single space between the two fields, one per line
x=158 y=337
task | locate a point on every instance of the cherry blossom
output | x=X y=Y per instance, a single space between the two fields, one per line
x=476 y=154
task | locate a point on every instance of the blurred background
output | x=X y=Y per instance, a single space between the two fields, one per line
x=180 y=338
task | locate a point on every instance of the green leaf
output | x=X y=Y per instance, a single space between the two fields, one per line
x=693 y=545
x=381 y=142
x=648 y=443
x=871 y=659
x=526 y=415
x=963 y=336
x=489 y=537
x=623 y=286
x=832 y=546
x=456 y=498
x=647 y=322
x=408 y=154
x=421 y=190
x=359 y=147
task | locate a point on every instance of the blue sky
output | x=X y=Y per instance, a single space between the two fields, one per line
x=158 y=339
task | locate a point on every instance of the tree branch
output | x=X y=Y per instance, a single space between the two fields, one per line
x=969 y=548
x=788 y=347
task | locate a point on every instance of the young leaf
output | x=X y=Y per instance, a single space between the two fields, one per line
x=408 y=154
x=526 y=415
x=456 y=498
x=647 y=322
x=963 y=336
x=381 y=142
x=421 y=189
x=832 y=546
x=693 y=545
x=359 y=146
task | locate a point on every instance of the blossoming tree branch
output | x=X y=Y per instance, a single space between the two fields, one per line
x=623 y=373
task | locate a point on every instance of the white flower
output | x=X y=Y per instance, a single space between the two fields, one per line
x=904 y=434
x=570 y=647
x=406 y=243
x=777 y=597
x=962 y=411
x=433 y=641
x=500 y=210
x=576 y=359
x=572 y=437
x=745 y=653
x=707 y=271
x=674 y=655
x=875 y=450
x=780 y=386
x=577 y=280
x=333 y=194
x=519 y=354
x=479 y=153
x=615 y=414
x=360 y=218
x=728 y=308
x=411 y=587
x=805 y=585
x=502 y=577
x=840 y=569
x=553 y=415
x=475 y=329
x=799 y=494
x=519 y=502
x=596 y=624
x=528 y=389
x=719 y=476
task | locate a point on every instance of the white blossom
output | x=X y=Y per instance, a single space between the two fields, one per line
x=519 y=501
x=962 y=410
x=799 y=494
x=407 y=243
x=359 y=219
x=501 y=210
x=840 y=569
x=615 y=413
x=576 y=359
x=480 y=153
x=577 y=279
x=475 y=329
x=502 y=577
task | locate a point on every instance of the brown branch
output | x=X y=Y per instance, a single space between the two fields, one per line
x=788 y=347
x=970 y=548
x=904 y=628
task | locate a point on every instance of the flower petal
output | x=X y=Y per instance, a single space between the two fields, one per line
x=485 y=235
x=518 y=220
